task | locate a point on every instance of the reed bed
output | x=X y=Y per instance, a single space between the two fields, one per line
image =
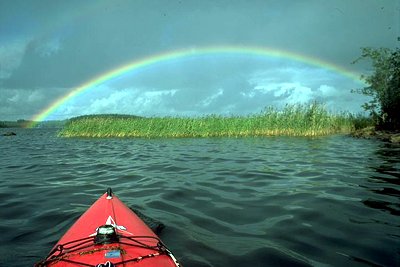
x=293 y=120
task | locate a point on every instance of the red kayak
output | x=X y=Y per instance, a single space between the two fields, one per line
x=110 y=234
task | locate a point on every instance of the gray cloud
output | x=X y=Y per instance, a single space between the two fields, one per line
x=62 y=44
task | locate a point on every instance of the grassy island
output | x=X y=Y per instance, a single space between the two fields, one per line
x=293 y=120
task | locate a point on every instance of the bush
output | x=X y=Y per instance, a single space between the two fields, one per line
x=383 y=85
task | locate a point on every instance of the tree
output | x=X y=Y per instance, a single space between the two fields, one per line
x=383 y=85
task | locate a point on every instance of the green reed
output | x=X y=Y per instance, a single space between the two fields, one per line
x=293 y=120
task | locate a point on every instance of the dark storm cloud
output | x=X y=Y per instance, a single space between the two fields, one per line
x=62 y=44
x=92 y=43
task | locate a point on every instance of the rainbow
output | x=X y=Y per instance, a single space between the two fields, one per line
x=181 y=54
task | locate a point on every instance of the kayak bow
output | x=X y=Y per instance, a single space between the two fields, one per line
x=109 y=234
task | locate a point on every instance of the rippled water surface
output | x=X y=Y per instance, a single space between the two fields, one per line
x=331 y=201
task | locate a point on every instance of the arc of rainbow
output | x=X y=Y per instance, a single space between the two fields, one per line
x=180 y=54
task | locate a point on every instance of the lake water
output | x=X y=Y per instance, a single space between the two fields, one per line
x=275 y=201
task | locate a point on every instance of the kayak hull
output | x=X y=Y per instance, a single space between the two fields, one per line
x=135 y=244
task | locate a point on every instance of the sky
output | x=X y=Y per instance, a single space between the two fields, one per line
x=231 y=57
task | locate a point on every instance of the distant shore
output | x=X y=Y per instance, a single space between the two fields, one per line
x=293 y=120
x=14 y=124
x=28 y=124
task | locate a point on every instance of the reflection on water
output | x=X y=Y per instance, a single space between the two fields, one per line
x=330 y=201
x=386 y=180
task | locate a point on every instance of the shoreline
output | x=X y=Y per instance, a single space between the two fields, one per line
x=371 y=133
x=293 y=121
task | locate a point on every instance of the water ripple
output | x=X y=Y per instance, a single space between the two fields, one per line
x=330 y=201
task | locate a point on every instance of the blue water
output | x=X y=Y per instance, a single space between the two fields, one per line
x=276 y=201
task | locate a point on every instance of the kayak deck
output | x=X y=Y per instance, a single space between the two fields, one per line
x=109 y=234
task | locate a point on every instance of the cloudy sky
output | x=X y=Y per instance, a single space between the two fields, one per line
x=49 y=48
